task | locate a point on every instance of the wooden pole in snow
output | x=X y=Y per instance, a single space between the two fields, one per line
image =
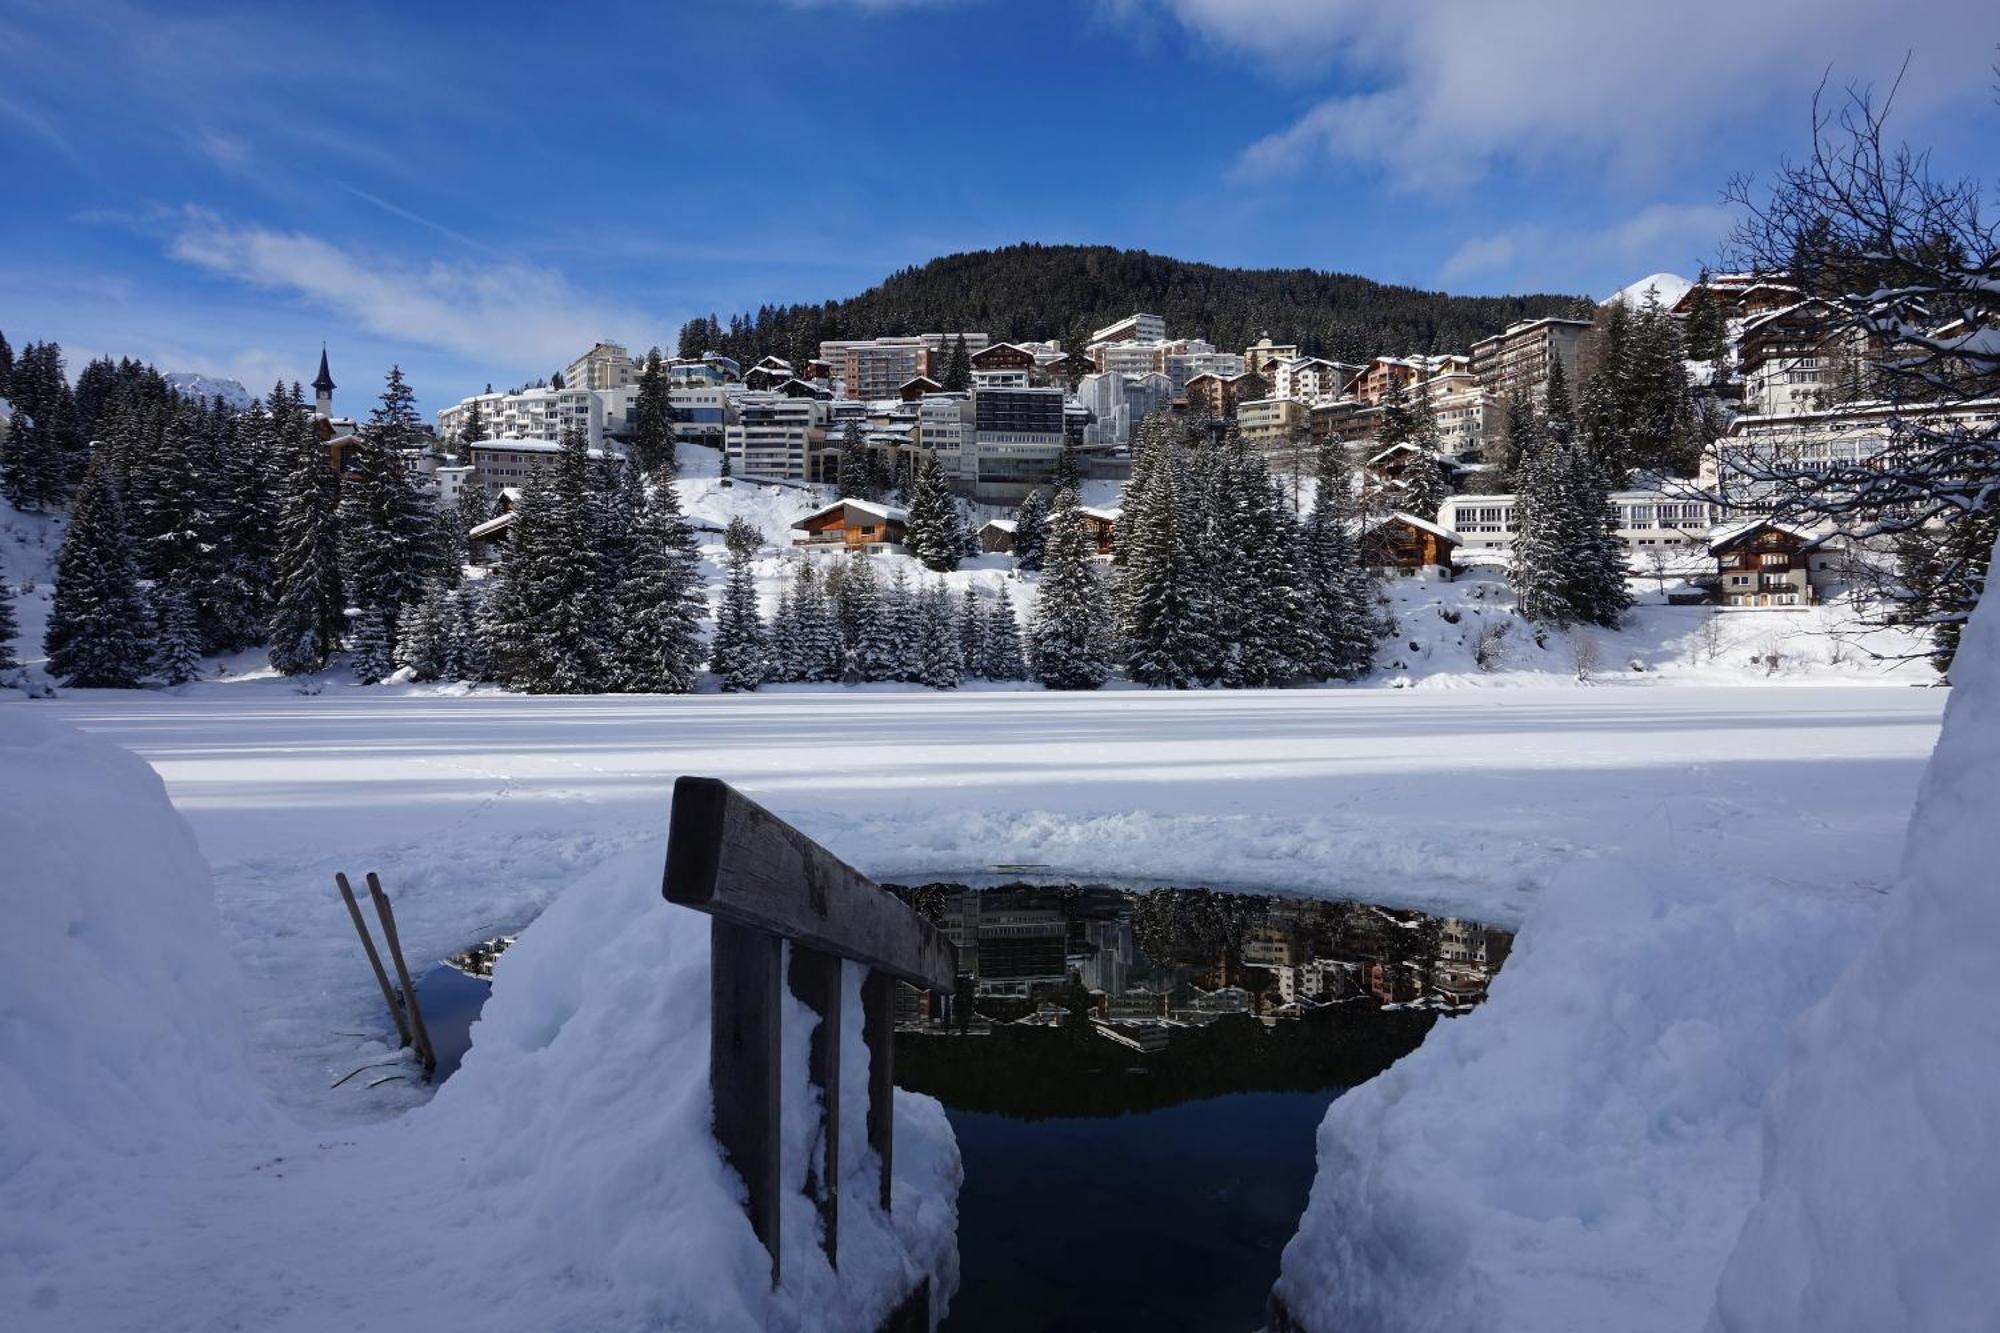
x=374 y=959
x=388 y=916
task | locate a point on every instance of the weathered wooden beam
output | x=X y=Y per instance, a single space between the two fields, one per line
x=878 y=1030
x=425 y=1050
x=815 y=979
x=744 y=1064
x=374 y=959
x=730 y=857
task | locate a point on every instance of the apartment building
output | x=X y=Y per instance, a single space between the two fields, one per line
x=538 y=414
x=1018 y=436
x=1272 y=423
x=945 y=427
x=1647 y=520
x=1519 y=358
x=1117 y=403
x=1791 y=362
x=877 y=367
x=1747 y=467
x=498 y=464
x=606 y=365
x=1132 y=328
x=1262 y=357
x=1308 y=378
x=770 y=434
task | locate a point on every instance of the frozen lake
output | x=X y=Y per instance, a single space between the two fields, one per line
x=478 y=810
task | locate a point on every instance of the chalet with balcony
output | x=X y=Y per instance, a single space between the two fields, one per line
x=1764 y=564
x=851 y=524
x=1406 y=546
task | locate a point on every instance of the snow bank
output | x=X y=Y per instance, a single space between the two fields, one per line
x=1881 y=1193
x=566 y=1178
x=1577 y=1153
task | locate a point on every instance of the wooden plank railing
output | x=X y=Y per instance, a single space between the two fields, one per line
x=764 y=883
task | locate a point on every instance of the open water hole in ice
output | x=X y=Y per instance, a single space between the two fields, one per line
x=1134 y=1078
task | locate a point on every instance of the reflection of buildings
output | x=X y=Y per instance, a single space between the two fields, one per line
x=1165 y=961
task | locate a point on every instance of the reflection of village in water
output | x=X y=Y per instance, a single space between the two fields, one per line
x=1176 y=993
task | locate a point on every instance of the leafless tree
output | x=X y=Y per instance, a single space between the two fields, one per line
x=1901 y=269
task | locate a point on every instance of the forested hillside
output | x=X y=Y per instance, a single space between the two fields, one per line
x=1065 y=291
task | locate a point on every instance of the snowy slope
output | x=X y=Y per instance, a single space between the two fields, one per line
x=1881 y=1156
x=565 y=1179
x=1671 y=287
x=201 y=388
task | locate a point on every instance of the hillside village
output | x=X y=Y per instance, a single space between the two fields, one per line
x=950 y=460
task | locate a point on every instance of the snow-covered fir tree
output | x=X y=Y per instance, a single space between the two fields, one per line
x=855 y=475
x=176 y=638
x=1341 y=595
x=737 y=654
x=369 y=652
x=469 y=657
x=972 y=632
x=424 y=633
x=10 y=626
x=1069 y=631
x=1568 y=565
x=1164 y=616
x=867 y=623
x=658 y=604
x=1273 y=635
x=957 y=368
x=902 y=630
x=935 y=536
x=306 y=617
x=387 y=548
x=97 y=633
x=246 y=522
x=40 y=449
x=1031 y=530
x=473 y=428
x=940 y=649
x=547 y=615
x=653 y=427
x=1003 y=658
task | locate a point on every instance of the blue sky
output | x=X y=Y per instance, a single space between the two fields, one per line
x=477 y=192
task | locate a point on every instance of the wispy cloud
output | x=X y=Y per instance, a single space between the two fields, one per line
x=1436 y=97
x=508 y=314
x=1660 y=237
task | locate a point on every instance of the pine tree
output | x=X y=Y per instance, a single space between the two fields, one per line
x=737 y=653
x=546 y=618
x=245 y=521
x=935 y=536
x=386 y=528
x=9 y=624
x=855 y=471
x=875 y=648
x=368 y=649
x=941 y=654
x=658 y=604
x=1518 y=439
x=1343 y=623
x=1003 y=659
x=470 y=659
x=653 y=426
x=1705 y=330
x=469 y=512
x=307 y=605
x=424 y=633
x=1031 y=531
x=97 y=634
x=972 y=632
x=6 y=366
x=40 y=446
x=957 y=368
x=902 y=622
x=473 y=429
x=176 y=638
x=1068 y=631
x=1164 y=617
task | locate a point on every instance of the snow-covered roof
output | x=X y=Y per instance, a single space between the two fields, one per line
x=887 y=513
x=1735 y=532
x=1423 y=524
x=518 y=445
x=492 y=525
x=1006 y=525
x=1105 y=515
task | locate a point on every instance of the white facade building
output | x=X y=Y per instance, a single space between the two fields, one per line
x=771 y=435
x=1118 y=403
x=1647 y=520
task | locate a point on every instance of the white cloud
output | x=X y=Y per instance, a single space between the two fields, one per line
x=1662 y=237
x=505 y=313
x=1443 y=92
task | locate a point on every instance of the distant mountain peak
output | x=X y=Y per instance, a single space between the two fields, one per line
x=1671 y=287
x=201 y=388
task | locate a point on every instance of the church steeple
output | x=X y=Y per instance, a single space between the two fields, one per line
x=323 y=386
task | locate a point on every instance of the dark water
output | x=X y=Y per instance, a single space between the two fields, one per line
x=451 y=1001
x=1174 y=1219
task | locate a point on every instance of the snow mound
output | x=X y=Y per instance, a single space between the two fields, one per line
x=119 y=1032
x=1882 y=1156
x=1671 y=287
x=565 y=1178
x=201 y=388
x=1576 y=1154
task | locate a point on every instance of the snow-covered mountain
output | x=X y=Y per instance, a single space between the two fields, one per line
x=1671 y=286
x=202 y=388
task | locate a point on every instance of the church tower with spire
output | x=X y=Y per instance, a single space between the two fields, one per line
x=323 y=387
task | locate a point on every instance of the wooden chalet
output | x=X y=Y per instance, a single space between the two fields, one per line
x=853 y=525
x=996 y=536
x=1218 y=395
x=1764 y=564
x=910 y=390
x=1100 y=527
x=1003 y=356
x=1406 y=545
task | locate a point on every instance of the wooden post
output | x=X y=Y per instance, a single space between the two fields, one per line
x=816 y=980
x=388 y=915
x=744 y=1064
x=878 y=1030
x=374 y=959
